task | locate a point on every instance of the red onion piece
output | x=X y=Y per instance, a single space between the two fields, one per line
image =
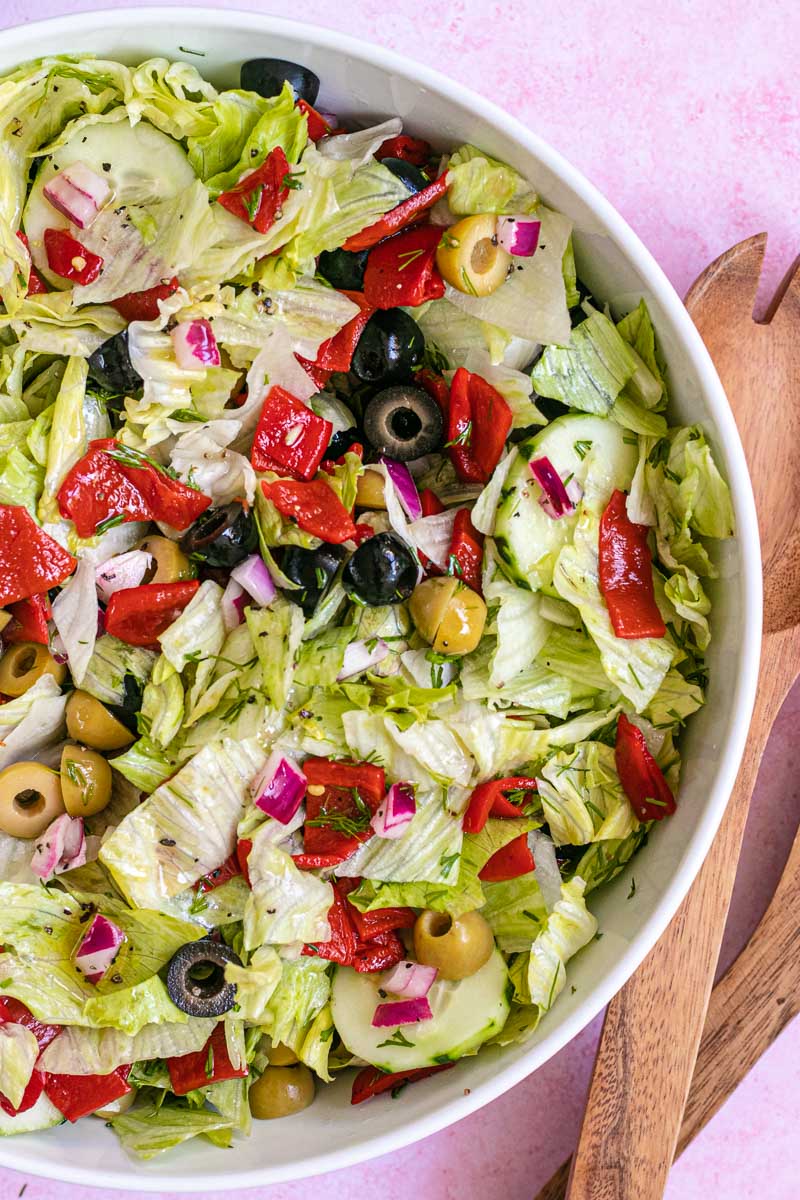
x=402 y=1012
x=407 y=492
x=519 y=235
x=410 y=979
x=397 y=810
x=256 y=580
x=195 y=345
x=279 y=788
x=233 y=603
x=61 y=846
x=360 y=656
x=98 y=948
x=122 y=571
x=555 y=501
x=78 y=193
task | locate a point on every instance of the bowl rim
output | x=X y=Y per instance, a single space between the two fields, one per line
x=634 y=250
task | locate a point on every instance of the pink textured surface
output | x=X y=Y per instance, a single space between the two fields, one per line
x=690 y=124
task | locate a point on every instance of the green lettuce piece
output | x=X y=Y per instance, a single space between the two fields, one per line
x=478 y=183
x=535 y=689
x=572 y=653
x=569 y=271
x=570 y=927
x=130 y=1009
x=13 y=434
x=37 y=922
x=428 y=851
x=316 y=1045
x=676 y=699
x=637 y=330
x=173 y=96
x=19 y=1051
x=582 y=796
x=320 y=658
x=78 y=418
x=276 y=632
x=603 y=861
x=630 y=414
x=21 y=480
x=516 y=912
x=520 y=629
x=301 y=995
x=32 y=722
x=149 y=1128
x=50 y=323
x=145 y=765
x=286 y=904
x=590 y=372
x=232 y=116
x=280 y=123
x=117 y=672
x=198 y=633
x=256 y=982
x=685 y=593
x=98 y=1051
x=426 y=753
x=162 y=704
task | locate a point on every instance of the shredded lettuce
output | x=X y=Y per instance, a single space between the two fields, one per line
x=149 y=1128
x=32 y=722
x=582 y=796
x=478 y=183
x=286 y=904
x=569 y=927
x=591 y=370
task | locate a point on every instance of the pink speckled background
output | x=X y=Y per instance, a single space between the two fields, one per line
x=686 y=114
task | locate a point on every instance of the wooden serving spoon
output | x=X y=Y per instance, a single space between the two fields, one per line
x=652 y=1029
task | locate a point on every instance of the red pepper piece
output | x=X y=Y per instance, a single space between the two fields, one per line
x=290 y=435
x=243 y=848
x=340 y=783
x=15 y=1010
x=69 y=258
x=478 y=425
x=212 y=1064
x=512 y=860
x=436 y=386
x=139 y=615
x=29 y=620
x=466 y=551
x=371 y=1082
x=489 y=800
x=370 y=925
x=31 y=561
x=431 y=504
x=626 y=573
x=341 y=946
x=337 y=353
x=143 y=306
x=317 y=862
x=76 y=1096
x=381 y=952
x=257 y=198
x=313 y=506
x=409 y=212
x=318 y=127
x=410 y=149
x=168 y=499
x=641 y=777
x=402 y=270
x=33 y=1091
x=319 y=376
x=221 y=874
x=36 y=285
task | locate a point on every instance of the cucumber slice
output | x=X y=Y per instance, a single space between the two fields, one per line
x=528 y=541
x=43 y=1115
x=465 y=1015
x=142 y=165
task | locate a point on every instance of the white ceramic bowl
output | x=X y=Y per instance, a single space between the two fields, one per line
x=363 y=82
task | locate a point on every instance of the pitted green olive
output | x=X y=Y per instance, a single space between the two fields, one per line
x=469 y=257
x=90 y=722
x=448 y=614
x=281 y=1056
x=85 y=781
x=170 y=564
x=456 y=946
x=370 y=490
x=23 y=664
x=30 y=798
x=281 y=1091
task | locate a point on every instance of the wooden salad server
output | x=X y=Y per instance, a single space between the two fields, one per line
x=653 y=1026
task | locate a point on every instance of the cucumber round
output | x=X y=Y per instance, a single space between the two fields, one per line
x=528 y=541
x=43 y=1115
x=466 y=1013
x=142 y=165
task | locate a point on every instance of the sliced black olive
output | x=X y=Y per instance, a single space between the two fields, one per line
x=313 y=570
x=268 y=75
x=110 y=366
x=390 y=349
x=381 y=571
x=343 y=268
x=196 y=978
x=131 y=703
x=407 y=173
x=221 y=537
x=342 y=440
x=403 y=422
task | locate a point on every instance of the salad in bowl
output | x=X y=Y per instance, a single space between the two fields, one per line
x=353 y=600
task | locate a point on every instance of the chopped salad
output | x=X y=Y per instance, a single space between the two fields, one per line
x=353 y=585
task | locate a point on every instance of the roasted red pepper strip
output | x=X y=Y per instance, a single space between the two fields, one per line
x=15 y=1010
x=370 y=925
x=436 y=386
x=479 y=421
x=36 y=285
x=209 y=1065
x=509 y=862
x=641 y=777
x=257 y=198
x=31 y=561
x=466 y=551
x=76 y=1096
x=371 y=1082
x=409 y=149
x=379 y=953
x=626 y=573
x=221 y=874
x=289 y=437
x=431 y=504
x=29 y=620
x=489 y=800
x=168 y=499
x=143 y=306
x=318 y=127
x=69 y=258
x=317 y=862
x=409 y=212
x=337 y=353
x=341 y=946
x=139 y=615
x=314 y=506
x=332 y=791
x=319 y=376
x=402 y=270
x=33 y=1091
x=243 y=848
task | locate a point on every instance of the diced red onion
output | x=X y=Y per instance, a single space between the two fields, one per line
x=256 y=580
x=519 y=235
x=98 y=948
x=406 y=489
x=79 y=193
x=396 y=811
x=433 y=536
x=122 y=571
x=546 y=871
x=555 y=501
x=195 y=345
x=58 y=649
x=61 y=846
x=279 y=788
x=360 y=656
x=233 y=603
x=402 y=1012
x=410 y=979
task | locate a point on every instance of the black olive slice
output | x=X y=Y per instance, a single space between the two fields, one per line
x=390 y=349
x=268 y=75
x=313 y=570
x=221 y=537
x=130 y=704
x=196 y=978
x=381 y=571
x=403 y=422
x=407 y=173
x=343 y=268
x=110 y=366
